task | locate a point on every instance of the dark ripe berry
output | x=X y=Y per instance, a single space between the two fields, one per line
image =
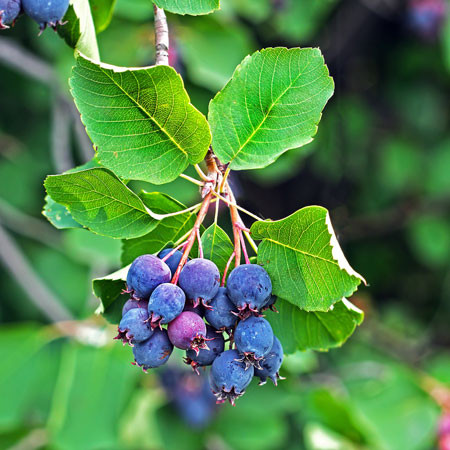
x=171 y=261
x=271 y=363
x=166 y=303
x=248 y=287
x=229 y=377
x=199 y=309
x=200 y=279
x=221 y=315
x=46 y=12
x=134 y=326
x=153 y=352
x=132 y=303
x=205 y=357
x=188 y=331
x=145 y=274
x=270 y=303
x=254 y=339
x=9 y=10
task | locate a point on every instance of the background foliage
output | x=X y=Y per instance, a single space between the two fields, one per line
x=380 y=164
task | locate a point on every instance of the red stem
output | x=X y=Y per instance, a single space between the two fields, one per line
x=191 y=239
x=226 y=269
x=173 y=251
x=244 y=248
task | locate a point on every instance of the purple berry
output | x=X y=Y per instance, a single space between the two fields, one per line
x=46 y=12
x=188 y=331
x=223 y=315
x=199 y=309
x=248 y=287
x=171 y=261
x=134 y=326
x=270 y=303
x=9 y=10
x=166 y=303
x=229 y=377
x=205 y=357
x=145 y=274
x=254 y=339
x=153 y=352
x=271 y=363
x=132 y=303
x=200 y=279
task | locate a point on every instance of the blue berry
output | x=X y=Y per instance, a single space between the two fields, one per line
x=9 y=10
x=205 y=357
x=132 y=303
x=270 y=303
x=221 y=315
x=153 y=352
x=145 y=274
x=46 y=12
x=271 y=363
x=173 y=260
x=200 y=280
x=229 y=377
x=248 y=287
x=188 y=331
x=166 y=303
x=134 y=326
x=254 y=339
x=199 y=309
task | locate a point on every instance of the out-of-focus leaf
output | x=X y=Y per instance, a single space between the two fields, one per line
x=304 y=259
x=319 y=437
x=253 y=10
x=302 y=330
x=102 y=12
x=217 y=246
x=437 y=183
x=141 y=120
x=193 y=8
x=135 y=10
x=273 y=103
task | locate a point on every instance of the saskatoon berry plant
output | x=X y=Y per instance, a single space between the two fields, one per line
x=234 y=303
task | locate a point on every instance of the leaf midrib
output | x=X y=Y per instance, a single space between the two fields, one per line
x=145 y=111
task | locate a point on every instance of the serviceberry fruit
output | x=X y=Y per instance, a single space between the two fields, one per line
x=134 y=327
x=171 y=261
x=270 y=303
x=254 y=339
x=223 y=315
x=205 y=357
x=145 y=274
x=9 y=11
x=200 y=279
x=199 y=309
x=271 y=363
x=188 y=331
x=166 y=303
x=46 y=12
x=132 y=303
x=229 y=377
x=248 y=287
x=153 y=352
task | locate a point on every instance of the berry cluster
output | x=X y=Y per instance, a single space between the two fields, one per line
x=44 y=12
x=235 y=309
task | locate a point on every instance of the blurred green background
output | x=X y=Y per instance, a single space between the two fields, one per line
x=380 y=163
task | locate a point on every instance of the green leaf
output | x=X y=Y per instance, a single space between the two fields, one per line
x=217 y=246
x=140 y=120
x=97 y=199
x=192 y=7
x=304 y=259
x=272 y=103
x=303 y=330
x=58 y=215
x=109 y=290
x=168 y=230
x=102 y=12
x=79 y=31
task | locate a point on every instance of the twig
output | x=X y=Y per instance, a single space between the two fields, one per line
x=161 y=37
x=240 y=208
x=200 y=172
x=192 y=180
x=172 y=252
x=244 y=248
x=226 y=269
x=176 y=213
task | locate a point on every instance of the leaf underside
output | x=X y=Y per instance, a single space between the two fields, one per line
x=192 y=7
x=141 y=120
x=272 y=103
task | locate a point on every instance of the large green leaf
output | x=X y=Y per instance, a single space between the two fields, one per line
x=58 y=215
x=272 y=103
x=315 y=330
x=97 y=199
x=192 y=7
x=168 y=230
x=79 y=29
x=217 y=246
x=140 y=120
x=304 y=259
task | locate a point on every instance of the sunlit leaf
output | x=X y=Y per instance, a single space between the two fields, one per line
x=192 y=7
